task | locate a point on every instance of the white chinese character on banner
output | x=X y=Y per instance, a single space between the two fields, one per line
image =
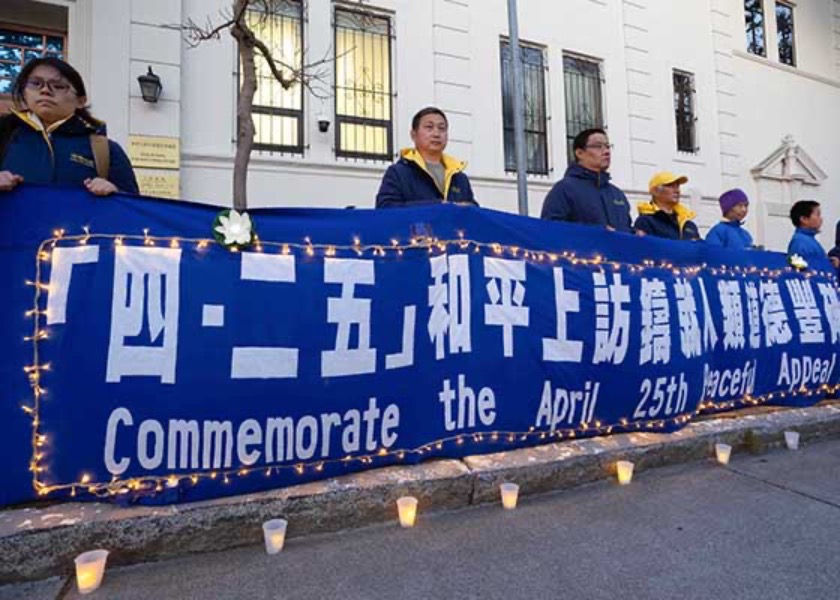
x=450 y=304
x=691 y=341
x=753 y=314
x=806 y=311
x=146 y=284
x=831 y=306
x=773 y=315
x=506 y=303
x=733 y=314
x=656 y=323
x=710 y=336
x=612 y=319
x=561 y=348
x=347 y=311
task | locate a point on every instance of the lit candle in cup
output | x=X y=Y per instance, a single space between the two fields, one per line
x=625 y=471
x=792 y=440
x=722 y=452
x=510 y=494
x=407 y=506
x=274 y=532
x=90 y=567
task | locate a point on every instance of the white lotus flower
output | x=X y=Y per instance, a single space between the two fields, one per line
x=236 y=228
x=797 y=262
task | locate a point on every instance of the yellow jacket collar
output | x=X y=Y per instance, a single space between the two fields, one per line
x=682 y=212
x=451 y=164
x=35 y=123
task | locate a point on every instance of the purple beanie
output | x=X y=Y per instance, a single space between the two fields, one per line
x=732 y=198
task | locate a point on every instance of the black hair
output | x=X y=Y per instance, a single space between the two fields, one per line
x=582 y=139
x=802 y=210
x=429 y=110
x=67 y=72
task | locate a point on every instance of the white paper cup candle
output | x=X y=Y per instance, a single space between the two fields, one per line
x=407 y=507
x=274 y=532
x=722 y=452
x=625 y=471
x=792 y=440
x=510 y=494
x=90 y=567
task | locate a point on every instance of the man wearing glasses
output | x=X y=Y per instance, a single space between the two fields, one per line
x=585 y=194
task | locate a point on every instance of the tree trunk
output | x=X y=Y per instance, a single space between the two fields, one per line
x=244 y=121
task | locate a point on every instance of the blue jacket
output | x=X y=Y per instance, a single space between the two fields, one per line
x=62 y=155
x=805 y=244
x=585 y=196
x=835 y=252
x=672 y=226
x=730 y=234
x=408 y=182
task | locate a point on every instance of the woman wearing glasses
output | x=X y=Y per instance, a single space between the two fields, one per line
x=50 y=137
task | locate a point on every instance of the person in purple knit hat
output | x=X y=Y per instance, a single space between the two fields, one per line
x=730 y=232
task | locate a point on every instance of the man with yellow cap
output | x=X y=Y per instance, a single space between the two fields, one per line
x=664 y=216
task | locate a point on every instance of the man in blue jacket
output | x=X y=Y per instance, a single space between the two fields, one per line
x=424 y=174
x=585 y=194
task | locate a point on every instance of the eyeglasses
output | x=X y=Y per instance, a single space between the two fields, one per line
x=600 y=147
x=56 y=86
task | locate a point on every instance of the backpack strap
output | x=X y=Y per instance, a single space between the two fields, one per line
x=101 y=154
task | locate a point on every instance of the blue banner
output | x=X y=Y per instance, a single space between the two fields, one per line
x=144 y=362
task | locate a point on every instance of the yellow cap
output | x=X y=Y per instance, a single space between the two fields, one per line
x=665 y=178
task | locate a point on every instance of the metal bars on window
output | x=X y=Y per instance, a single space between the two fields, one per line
x=277 y=111
x=684 y=112
x=584 y=97
x=536 y=120
x=784 y=27
x=363 y=85
x=18 y=46
x=754 y=25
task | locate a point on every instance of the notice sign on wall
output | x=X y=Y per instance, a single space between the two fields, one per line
x=160 y=184
x=154 y=152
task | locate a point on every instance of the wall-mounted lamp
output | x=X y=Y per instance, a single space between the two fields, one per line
x=323 y=123
x=150 y=86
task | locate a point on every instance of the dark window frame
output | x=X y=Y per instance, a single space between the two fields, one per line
x=789 y=58
x=755 y=27
x=44 y=33
x=535 y=75
x=262 y=109
x=685 y=111
x=387 y=124
x=595 y=68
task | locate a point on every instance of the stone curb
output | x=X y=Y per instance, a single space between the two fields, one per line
x=41 y=542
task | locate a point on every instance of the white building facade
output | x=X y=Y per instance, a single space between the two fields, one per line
x=730 y=93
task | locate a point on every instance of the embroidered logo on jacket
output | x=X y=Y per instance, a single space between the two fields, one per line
x=78 y=158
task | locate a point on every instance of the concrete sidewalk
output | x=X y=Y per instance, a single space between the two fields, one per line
x=763 y=528
x=42 y=543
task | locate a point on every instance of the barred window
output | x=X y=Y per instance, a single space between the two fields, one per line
x=584 y=97
x=363 y=85
x=684 y=112
x=536 y=127
x=278 y=112
x=19 y=46
x=754 y=22
x=784 y=26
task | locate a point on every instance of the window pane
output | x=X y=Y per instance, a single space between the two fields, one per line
x=5 y=86
x=584 y=97
x=784 y=25
x=278 y=112
x=9 y=70
x=55 y=45
x=363 y=94
x=10 y=54
x=19 y=38
x=754 y=20
x=536 y=129
x=684 y=111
